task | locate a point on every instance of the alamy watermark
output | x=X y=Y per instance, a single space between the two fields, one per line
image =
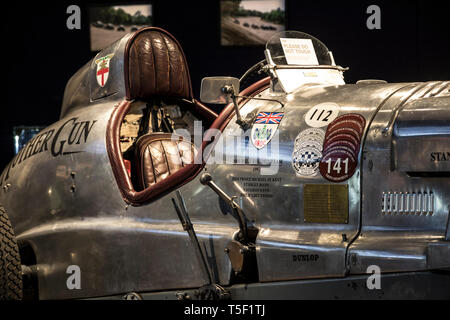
x=74 y=20
x=231 y=146
x=374 y=20
x=73 y=282
x=374 y=280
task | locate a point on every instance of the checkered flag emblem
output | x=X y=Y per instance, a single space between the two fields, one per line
x=309 y=158
x=306 y=161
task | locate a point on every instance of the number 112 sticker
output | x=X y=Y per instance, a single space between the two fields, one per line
x=322 y=114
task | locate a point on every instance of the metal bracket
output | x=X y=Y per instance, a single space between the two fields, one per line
x=187 y=226
x=132 y=296
x=213 y=292
x=206 y=179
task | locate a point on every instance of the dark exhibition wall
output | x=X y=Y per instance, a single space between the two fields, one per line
x=42 y=53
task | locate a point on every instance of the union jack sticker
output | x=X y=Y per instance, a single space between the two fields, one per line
x=269 y=117
x=265 y=126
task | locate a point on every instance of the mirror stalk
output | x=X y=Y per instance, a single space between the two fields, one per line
x=229 y=90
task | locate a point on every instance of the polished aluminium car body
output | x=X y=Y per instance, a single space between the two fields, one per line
x=64 y=202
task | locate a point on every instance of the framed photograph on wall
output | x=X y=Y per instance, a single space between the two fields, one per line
x=108 y=23
x=250 y=22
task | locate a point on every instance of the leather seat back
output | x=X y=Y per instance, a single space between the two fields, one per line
x=159 y=155
x=156 y=66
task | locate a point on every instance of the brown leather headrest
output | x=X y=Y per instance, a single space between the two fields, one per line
x=155 y=65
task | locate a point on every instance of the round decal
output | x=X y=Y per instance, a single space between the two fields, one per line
x=312 y=132
x=340 y=147
x=346 y=123
x=342 y=137
x=308 y=143
x=337 y=131
x=352 y=116
x=338 y=165
x=305 y=161
x=322 y=114
x=343 y=143
x=310 y=137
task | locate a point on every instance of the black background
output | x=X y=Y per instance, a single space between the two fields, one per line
x=42 y=54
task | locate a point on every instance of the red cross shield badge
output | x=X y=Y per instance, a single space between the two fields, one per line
x=103 y=69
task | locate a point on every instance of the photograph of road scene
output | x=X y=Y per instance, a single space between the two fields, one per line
x=250 y=22
x=108 y=24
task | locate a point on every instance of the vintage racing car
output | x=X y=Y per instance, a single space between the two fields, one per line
x=302 y=187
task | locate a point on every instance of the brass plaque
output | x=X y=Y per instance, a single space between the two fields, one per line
x=325 y=203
